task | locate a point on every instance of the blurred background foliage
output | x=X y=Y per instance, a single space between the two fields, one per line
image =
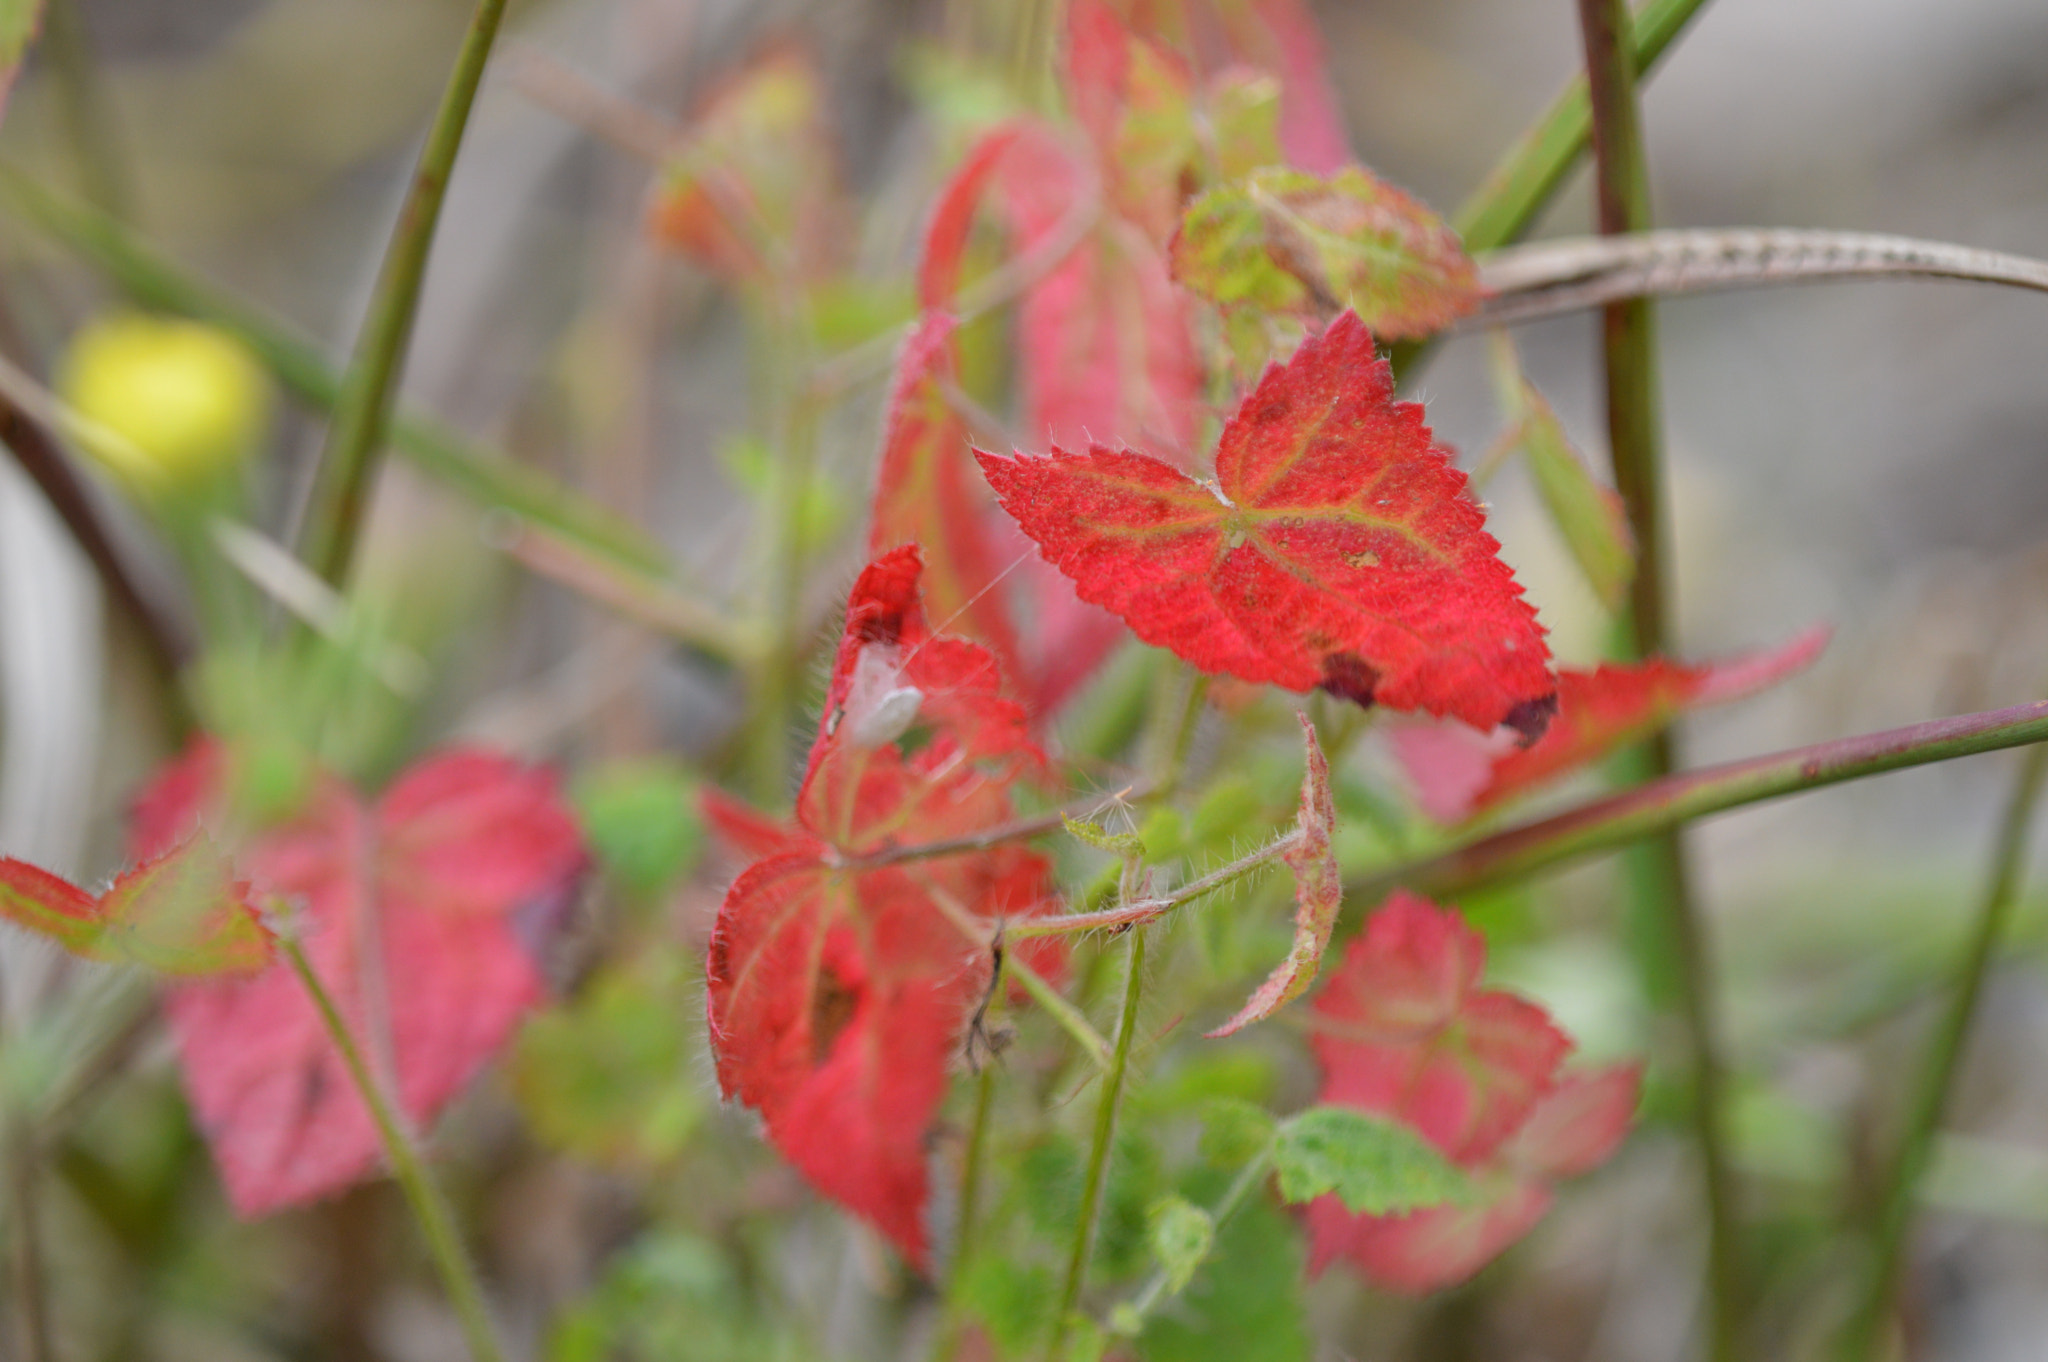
x=1867 y=455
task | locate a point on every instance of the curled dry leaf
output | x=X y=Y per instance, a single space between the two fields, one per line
x=1318 y=893
x=1338 y=548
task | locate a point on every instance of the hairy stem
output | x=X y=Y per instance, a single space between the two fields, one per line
x=1137 y=912
x=1099 y=1148
x=437 y=1226
x=1944 y=1056
x=355 y=438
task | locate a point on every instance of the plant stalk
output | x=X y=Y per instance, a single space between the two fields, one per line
x=1944 y=1057
x=1099 y=1148
x=430 y=1210
x=355 y=438
x=1671 y=924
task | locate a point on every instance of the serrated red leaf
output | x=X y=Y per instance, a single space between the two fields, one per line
x=1458 y=772
x=1571 y=1131
x=1338 y=548
x=1318 y=893
x=1403 y=1030
x=179 y=912
x=447 y=884
x=836 y=990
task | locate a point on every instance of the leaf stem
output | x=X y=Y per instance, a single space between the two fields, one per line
x=1901 y=1185
x=1070 y=1018
x=437 y=1226
x=1099 y=1148
x=355 y=437
x=1137 y=912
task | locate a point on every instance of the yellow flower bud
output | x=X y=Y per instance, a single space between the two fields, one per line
x=178 y=402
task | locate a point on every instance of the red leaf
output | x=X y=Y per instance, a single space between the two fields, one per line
x=924 y=496
x=1458 y=772
x=1338 y=549
x=181 y=912
x=1318 y=893
x=442 y=885
x=1570 y=1132
x=837 y=992
x=1404 y=1030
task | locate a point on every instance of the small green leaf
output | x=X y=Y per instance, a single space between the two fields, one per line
x=1282 y=240
x=1244 y=1303
x=1102 y=839
x=1374 y=1166
x=1182 y=1234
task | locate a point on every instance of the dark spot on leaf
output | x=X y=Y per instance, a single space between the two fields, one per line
x=1532 y=718
x=832 y=1009
x=1350 y=677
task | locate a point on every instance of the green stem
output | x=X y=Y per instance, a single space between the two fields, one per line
x=1055 y=1005
x=1617 y=820
x=1944 y=1056
x=355 y=438
x=437 y=1226
x=489 y=480
x=1672 y=927
x=781 y=665
x=1137 y=912
x=946 y=1337
x=30 y=1289
x=1099 y=1149
x=1528 y=176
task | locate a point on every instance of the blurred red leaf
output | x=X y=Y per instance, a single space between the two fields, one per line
x=837 y=991
x=1403 y=1030
x=1338 y=548
x=416 y=914
x=1318 y=893
x=181 y=912
x=1457 y=771
x=1574 y=1129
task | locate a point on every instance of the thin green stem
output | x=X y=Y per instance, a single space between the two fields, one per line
x=1528 y=176
x=787 y=574
x=946 y=1337
x=1944 y=1056
x=1099 y=1148
x=1171 y=762
x=487 y=479
x=1615 y=821
x=1672 y=927
x=1137 y=912
x=355 y=438
x=1055 y=1005
x=437 y=1226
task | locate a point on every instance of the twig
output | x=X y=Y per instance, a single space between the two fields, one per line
x=1553 y=277
x=355 y=438
x=1902 y=1183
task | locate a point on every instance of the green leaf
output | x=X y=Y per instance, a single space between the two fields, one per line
x=1182 y=1235
x=1243 y=1304
x=1013 y=1302
x=1283 y=240
x=610 y=1077
x=1234 y=1132
x=1374 y=1166
x=640 y=819
x=1102 y=839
